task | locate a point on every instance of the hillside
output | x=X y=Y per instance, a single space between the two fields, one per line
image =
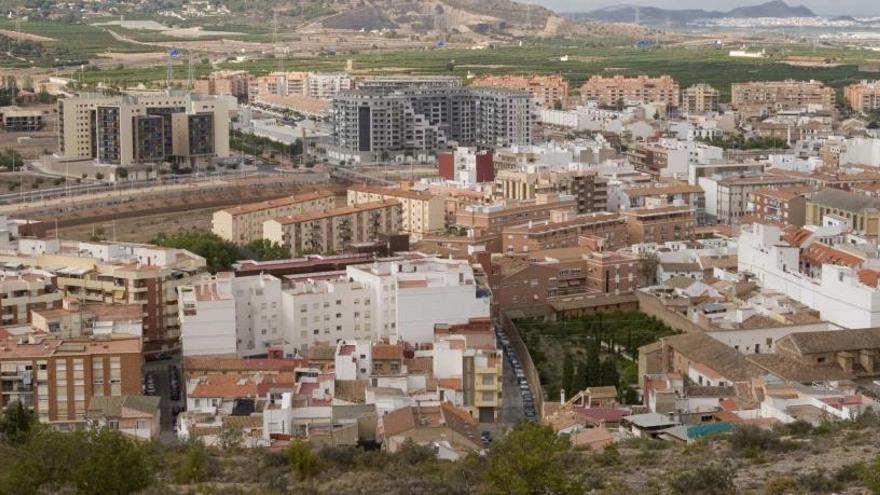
x=658 y=16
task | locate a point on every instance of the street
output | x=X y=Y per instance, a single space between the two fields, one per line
x=163 y=389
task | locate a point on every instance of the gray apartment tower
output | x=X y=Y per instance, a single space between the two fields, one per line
x=382 y=123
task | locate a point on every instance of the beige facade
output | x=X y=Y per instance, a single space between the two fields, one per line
x=766 y=98
x=700 y=98
x=125 y=130
x=551 y=91
x=224 y=82
x=423 y=213
x=19 y=295
x=243 y=224
x=331 y=231
x=863 y=96
x=611 y=91
x=590 y=190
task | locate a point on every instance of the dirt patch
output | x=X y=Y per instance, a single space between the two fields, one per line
x=16 y=35
x=142 y=229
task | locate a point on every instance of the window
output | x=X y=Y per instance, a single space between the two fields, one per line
x=316 y=331
x=488 y=379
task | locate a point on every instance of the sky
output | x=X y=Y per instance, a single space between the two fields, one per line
x=838 y=7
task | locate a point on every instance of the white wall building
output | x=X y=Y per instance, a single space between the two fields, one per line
x=861 y=151
x=411 y=296
x=207 y=317
x=837 y=294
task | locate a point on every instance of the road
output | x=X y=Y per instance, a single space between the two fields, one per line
x=160 y=371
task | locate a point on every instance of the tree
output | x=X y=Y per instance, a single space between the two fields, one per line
x=230 y=438
x=113 y=464
x=568 y=375
x=196 y=464
x=266 y=250
x=122 y=172
x=870 y=476
x=302 y=460
x=713 y=479
x=219 y=254
x=529 y=460
x=17 y=423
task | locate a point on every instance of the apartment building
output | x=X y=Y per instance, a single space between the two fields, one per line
x=423 y=213
x=659 y=225
x=244 y=223
x=663 y=194
x=589 y=189
x=540 y=278
x=75 y=320
x=623 y=91
x=406 y=291
x=467 y=364
x=379 y=124
x=492 y=218
x=225 y=82
x=279 y=84
x=207 y=317
x=859 y=212
x=175 y=127
x=843 y=295
x=409 y=80
x=672 y=157
x=564 y=229
x=728 y=199
x=327 y=85
x=766 y=98
x=325 y=310
x=16 y=119
x=793 y=129
x=863 y=96
x=21 y=292
x=466 y=166
x=58 y=378
x=700 y=98
x=333 y=230
x=786 y=205
x=551 y=91
x=117 y=274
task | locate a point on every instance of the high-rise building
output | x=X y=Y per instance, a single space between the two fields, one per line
x=123 y=130
x=766 y=98
x=617 y=90
x=700 y=98
x=380 y=124
x=863 y=96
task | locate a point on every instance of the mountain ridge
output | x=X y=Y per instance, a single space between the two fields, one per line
x=657 y=16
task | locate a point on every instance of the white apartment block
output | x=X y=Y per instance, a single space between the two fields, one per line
x=327 y=85
x=258 y=316
x=207 y=317
x=837 y=293
x=411 y=296
x=326 y=311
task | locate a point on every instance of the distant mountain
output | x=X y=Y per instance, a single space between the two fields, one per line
x=658 y=17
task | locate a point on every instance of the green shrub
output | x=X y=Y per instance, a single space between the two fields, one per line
x=712 y=479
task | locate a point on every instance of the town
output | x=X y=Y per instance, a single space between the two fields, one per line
x=338 y=279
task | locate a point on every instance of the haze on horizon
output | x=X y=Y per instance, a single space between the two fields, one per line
x=821 y=7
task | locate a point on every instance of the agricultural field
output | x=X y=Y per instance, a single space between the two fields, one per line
x=79 y=41
x=687 y=65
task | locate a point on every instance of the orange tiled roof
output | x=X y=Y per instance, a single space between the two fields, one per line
x=819 y=254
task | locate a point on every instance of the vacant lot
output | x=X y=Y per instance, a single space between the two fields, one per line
x=143 y=229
